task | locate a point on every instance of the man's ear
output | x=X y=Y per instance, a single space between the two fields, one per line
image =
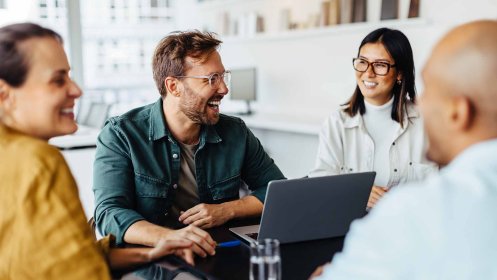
x=172 y=86
x=463 y=113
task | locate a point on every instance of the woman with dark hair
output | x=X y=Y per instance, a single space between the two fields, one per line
x=379 y=128
x=43 y=229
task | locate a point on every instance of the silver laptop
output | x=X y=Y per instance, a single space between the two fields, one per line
x=311 y=208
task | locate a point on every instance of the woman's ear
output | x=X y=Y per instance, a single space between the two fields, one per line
x=4 y=88
x=7 y=102
x=399 y=77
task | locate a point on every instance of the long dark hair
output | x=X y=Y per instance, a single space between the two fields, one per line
x=14 y=64
x=400 y=49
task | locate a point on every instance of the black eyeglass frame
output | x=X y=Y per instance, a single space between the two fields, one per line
x=372 y=63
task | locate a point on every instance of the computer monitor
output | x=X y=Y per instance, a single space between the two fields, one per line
x=243 y=86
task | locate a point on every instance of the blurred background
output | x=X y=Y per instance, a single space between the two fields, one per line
x=292 y=58
x=302 y=50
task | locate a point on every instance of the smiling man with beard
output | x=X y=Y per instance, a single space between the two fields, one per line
x=179 y=163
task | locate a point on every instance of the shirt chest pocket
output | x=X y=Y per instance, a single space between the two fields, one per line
x=151 y=197
x=227 y=189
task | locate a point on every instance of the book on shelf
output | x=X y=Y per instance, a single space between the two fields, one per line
x=285 y=19
x=251 y=21
x=389 y=9
x=259 y=24
x=359 y=11
x=224 y=24
x=374 y=10
x=346 y=11
x=330 y=12
x=413 y=9
x=334 y=12
x=403 y=10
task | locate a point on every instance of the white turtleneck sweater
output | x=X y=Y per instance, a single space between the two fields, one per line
x=381 y=127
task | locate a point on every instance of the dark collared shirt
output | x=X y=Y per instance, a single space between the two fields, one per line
x=137 y=167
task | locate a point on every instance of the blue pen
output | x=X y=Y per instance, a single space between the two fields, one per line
x=229 y=244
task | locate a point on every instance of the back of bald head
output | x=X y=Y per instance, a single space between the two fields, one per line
x=465 y=60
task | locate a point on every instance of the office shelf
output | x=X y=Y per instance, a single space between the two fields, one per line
x=359 y=27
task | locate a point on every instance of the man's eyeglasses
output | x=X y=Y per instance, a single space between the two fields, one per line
x=214 y=78
x=379 y=68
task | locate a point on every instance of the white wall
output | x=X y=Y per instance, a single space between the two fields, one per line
x=17 y=11
x=81 y=164
x=310 y=72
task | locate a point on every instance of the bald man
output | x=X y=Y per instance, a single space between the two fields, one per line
x=445 y=227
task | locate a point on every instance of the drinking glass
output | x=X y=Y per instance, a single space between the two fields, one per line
x=265 y=261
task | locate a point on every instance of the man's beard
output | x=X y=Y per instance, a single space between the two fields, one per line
x=189 y=104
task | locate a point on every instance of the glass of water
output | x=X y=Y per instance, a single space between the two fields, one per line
x=265 y=261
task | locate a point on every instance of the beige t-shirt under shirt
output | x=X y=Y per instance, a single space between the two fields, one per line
x=187 y=192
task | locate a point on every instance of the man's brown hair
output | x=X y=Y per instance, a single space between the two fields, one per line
x=171 y=52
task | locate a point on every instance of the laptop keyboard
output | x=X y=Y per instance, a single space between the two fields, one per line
x=253 y=235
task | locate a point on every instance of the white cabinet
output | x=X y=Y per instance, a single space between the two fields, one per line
x=79 y=152
x=291 y=140
x=293 y=152
x=80 y=162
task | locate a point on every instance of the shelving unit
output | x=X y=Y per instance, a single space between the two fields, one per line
x=237 y=19
x=359 y=27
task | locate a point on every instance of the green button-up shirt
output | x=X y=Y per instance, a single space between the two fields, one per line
x=137 y=167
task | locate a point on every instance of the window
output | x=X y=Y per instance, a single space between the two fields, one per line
x=2 y=4
x=118 y=40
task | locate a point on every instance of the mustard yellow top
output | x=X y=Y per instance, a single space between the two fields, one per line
x=43 y=229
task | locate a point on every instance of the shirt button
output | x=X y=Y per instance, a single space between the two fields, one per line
x=393 y=143
x=395 y=170
x=175 y=155
x=175 y=186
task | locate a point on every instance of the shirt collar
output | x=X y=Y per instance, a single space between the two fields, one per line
x=209 y=133
x=158 y=127
x=351 y=122
x=479 y=154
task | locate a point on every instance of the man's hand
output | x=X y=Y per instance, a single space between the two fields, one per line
x=206 y=215
x=126 y=258
x=202 y=242
x=376 y=194
x=180 y=248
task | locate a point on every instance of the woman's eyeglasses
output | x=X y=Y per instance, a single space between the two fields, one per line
x=379 y=68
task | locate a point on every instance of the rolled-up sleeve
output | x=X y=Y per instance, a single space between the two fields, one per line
x=113 y=184
x=258 y=168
